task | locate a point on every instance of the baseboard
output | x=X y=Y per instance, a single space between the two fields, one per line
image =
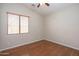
x=19 y=45
x=64 y=44
x=39 y=40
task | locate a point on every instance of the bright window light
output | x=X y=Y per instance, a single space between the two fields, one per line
x=24 y=24
x=17 y=24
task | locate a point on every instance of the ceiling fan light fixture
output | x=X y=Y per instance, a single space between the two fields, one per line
x=41 y=4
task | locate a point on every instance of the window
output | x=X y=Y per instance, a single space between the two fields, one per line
x=17 y=24
x=24 y=24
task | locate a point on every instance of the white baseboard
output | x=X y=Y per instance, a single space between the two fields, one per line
x=19 y=45
x=39 y=40
x=64 y=44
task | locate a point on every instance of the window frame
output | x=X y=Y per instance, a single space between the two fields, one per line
x=19 y=22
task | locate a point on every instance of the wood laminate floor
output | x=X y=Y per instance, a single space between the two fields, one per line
x=41 y=48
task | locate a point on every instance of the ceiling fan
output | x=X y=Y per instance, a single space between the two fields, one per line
x=40 y=4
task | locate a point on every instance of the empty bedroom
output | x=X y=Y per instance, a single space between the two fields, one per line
x=39 y=29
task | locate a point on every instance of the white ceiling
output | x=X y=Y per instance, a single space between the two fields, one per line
x=44 y=10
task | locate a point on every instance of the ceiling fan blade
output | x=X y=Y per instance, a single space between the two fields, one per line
x=47 y=4
x=38 y=5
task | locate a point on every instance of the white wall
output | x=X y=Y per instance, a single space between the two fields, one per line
x=63 y=27
x=0 y=26
x=35 y=27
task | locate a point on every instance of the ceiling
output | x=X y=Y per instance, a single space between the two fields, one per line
x=44 y=10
